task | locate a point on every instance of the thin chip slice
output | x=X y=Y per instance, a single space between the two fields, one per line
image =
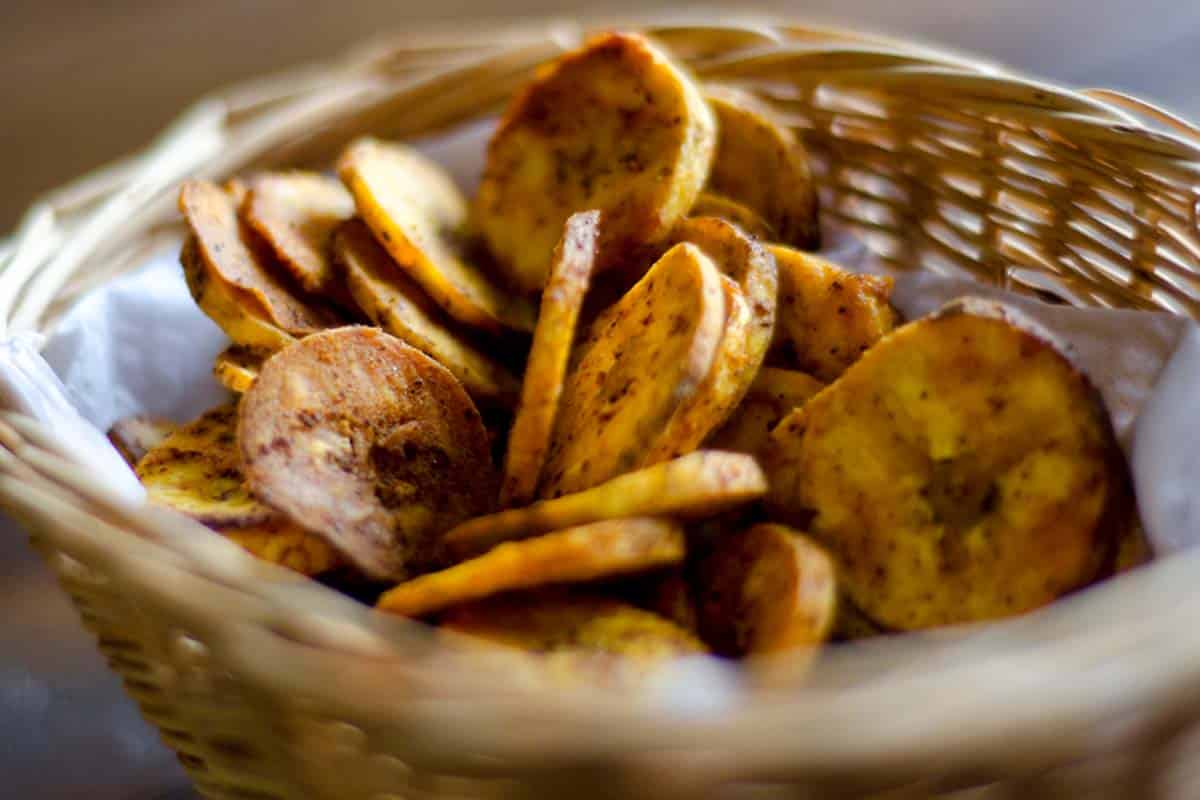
x=229 y=255
x=774 y=394
x=392 y=301
x=962 y=470
x=197 y=471
x=711 y=204
x=765 y=590
x=599 y=550
x=760 y=163
x=225 y=306
x=296 y=213
x=135 y=436
x=237 y=366
x=373 y=444
x=697 y=485
x=648 y=354
x=283 y=542
x=852 y=624
x=562 y=300
x=615 y=126
x=417 y=214
x=827 y=316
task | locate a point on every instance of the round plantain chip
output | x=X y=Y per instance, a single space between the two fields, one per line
x=296 y=213
x=418 y=215
x=711 y=204
x=392 y=301
x=234 y=278
x=237 y=366
x=961 y=470
x=765 y=590
x=135 y=436
x=648 y=354
x=545 y=371
x=283 y=542
x=774 y=394
x=761 y=164
x=615 y=126
x=372 y=443
x=582 y=553
x=697 y=485
x=827 y=316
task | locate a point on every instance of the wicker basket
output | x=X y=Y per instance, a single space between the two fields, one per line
x=270 y=686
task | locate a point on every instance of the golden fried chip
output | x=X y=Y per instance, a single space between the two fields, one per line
x=697 y=485
x=672 y=598
x=648 y=354
x=237 y=366
x=711 y=204
x=392 y=301
x=765 y=590
x=851 y=623
x=373 y=444
x=827 y=316
x=296 y=213
x=762 y=164
x=135 y=436
x=582 y=553
x=614 y=126
x=562 y=300
x=196 y=470
x=962 y=470
x=774 y=394
x=1133 y=548
x=417 y=214
x=233 y=276
x=283 y=542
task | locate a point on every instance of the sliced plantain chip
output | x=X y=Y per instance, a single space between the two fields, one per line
x=827 y=316
x=283 y=542
x=392 y=301
x=234 y=278
x=774 y=394
x=614 y=126
x=237 y=366
x=762 y=164
x=711 y=204
x=135 y=436
x=697 y=485
x=418 y=215
x=586 y=552
x=765 y=590
x=648 y=354
x=962 y=470
x=372 y=443
x=562 y=300
x=296 y=213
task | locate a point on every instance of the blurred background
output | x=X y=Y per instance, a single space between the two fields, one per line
x=85 y=81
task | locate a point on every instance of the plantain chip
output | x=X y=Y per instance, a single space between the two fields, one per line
x=774 y=394
x=711 y=204
x=296 y=213
x=237 y=366
x=601 y=549
x=371 y=443
x=649 y=352
x=765 y=590
x=562 y=300
x=283 y=542
x=962 y=470
x=392 y=301
x=134 y=436
x=760 y=163
x=226 y=307
x=615 y=126
x=827 y=316
x=418 y=215
x=699 y=484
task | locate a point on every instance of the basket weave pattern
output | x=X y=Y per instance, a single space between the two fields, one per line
x=268 y=686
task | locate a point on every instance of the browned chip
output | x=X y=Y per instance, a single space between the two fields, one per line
x=827 y=316
x=295 y=213
x=134 y=436
x=245 y=274
x=562 y=300
x=764 y=590
x=283 y=542
x=395 y=303
x=761 y=163
x=371 y=443
x=711 y=204
x=417 y=214
x=602 y=549
x=648 y=353
x=237 y=366
x=697 y=485
x=774 y=394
